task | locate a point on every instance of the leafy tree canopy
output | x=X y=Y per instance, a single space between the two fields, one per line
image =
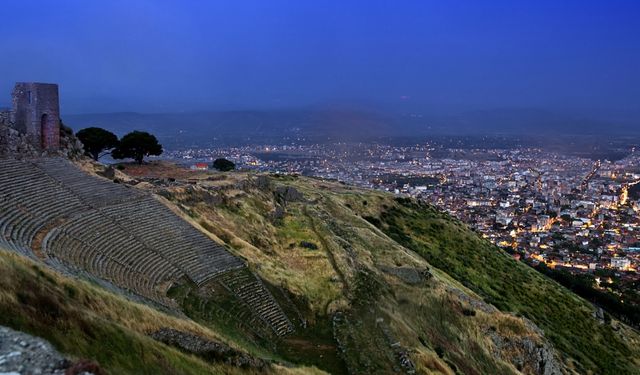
x=97 y=140
x=223 y=165
x=136 y=145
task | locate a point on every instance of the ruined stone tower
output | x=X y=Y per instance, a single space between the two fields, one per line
x=36 y=113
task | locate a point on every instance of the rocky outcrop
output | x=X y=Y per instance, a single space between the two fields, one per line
x=599 y=315
x=14 y=144
x=262 y=183
x=526 y=354
x=70 y=146
x=207 y=349
x=277 y=214
x=17 y=145
x=24 y=354
x=285 y=194
x=531 y=354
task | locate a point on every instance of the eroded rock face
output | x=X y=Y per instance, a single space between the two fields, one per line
x=207 y=349
x=530 y=354
x=14 y=144
x=17 y=145
x=286 y=194
x=527 y=353
x=277 y=214
x=24 y=354
x=599 y=315
x=263 y=183
x=70 y=146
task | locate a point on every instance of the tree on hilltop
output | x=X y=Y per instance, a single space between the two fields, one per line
x=136 y=145
x=223 y=165
x=97 y=140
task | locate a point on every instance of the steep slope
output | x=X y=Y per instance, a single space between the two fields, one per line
x=588 y=345
x=351 y=285
x=343 y=279
x=86 y=322
x=53 y=211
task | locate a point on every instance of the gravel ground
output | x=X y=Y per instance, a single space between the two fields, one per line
x=22 y=354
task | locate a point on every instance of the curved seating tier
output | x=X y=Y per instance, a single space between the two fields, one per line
x=112 y=231
x=120 y=260
x=159 y=228
x=246 y=286
x=117 y=233
x=92 y=190
x=29 y=200
x=9 y=245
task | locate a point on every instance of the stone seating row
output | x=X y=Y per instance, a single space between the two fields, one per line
x=156 y=226
x=143 y=278
x=92 y=190
x=251 y=291
x=115 y=233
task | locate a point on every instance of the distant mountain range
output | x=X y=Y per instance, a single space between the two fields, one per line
x=352 y=124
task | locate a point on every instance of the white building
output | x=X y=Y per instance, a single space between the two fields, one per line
x=620 y=263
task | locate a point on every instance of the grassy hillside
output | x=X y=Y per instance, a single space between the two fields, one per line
x=373 y=284
x=588 y=346
x=362 y=294
x=86 y=322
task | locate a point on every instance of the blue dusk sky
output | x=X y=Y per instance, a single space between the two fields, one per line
x=430 y=56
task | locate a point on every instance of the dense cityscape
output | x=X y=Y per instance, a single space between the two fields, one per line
x=565 y=212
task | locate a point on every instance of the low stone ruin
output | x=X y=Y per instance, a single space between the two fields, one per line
x=206 y=349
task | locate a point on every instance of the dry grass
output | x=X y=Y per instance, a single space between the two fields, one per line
x=137 y=317
x=160 y=169
x=274 y=250
x=85 y=321
x=325 y=277
x=428 y=363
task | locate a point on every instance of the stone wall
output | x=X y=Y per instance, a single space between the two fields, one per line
x=33 y=127
x=5 y=117
x=36 y=113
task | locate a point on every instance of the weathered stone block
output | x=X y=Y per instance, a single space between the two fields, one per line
x=36 y=113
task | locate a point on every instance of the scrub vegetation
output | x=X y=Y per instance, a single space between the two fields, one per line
x=352 y=279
